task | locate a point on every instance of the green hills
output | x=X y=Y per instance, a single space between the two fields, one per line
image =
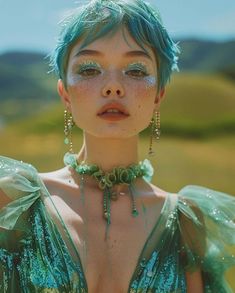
x=208 y=56
x=26 y=87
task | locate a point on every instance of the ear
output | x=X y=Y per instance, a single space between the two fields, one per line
x=64 y=94
x=159 y=97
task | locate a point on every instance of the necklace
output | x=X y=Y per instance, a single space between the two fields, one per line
x=106 y=180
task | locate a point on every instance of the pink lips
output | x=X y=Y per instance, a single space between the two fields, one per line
x=113 y=116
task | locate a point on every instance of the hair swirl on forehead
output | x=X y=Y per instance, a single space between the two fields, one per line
x=97 y=18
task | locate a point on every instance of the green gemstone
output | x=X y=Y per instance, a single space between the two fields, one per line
x=135 y=213
x=66 y=140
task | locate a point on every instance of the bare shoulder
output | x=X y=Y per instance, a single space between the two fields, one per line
x=161 y=194
x=60 y=175
x=59 y=184
x=64 y=192
x=60 y=179
x=158 y=198
x=157 y=191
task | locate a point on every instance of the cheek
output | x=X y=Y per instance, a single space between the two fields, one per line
x=81 y=101
x=83 y=90
x=144 y=91
x=143 y=95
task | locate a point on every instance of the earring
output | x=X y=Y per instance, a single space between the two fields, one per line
x=155 y=131
x=68 y=125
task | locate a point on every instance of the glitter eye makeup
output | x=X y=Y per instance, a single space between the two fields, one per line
x=89 y=68
x=137 y=70
x=84 y=70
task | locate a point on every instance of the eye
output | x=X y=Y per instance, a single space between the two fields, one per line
x=89 y=72
x=136 y=73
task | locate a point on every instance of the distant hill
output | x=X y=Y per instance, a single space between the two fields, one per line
x=23 y=75
x=25 y=85
x=207 y=56
x=21 y=58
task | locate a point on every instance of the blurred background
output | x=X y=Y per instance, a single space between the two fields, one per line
x=197 y=116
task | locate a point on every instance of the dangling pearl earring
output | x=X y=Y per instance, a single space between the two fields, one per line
x=155 y=131
x=68 y=125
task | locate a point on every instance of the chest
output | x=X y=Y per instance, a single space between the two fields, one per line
x=108 y=264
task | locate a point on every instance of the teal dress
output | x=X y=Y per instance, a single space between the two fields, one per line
x=195 y=230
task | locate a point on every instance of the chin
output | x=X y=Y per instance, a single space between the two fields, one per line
x=114 y=134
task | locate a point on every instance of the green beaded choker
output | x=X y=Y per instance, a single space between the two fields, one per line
x=106 y=180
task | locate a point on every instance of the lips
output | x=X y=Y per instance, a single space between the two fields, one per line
x=115 y=106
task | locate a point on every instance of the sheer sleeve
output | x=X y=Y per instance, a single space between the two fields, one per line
x=33 y=255
x=207 y=228
x=18 y=182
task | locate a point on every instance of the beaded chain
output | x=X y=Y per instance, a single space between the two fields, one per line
x=106 y=180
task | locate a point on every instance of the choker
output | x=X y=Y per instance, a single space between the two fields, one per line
x=106 y=180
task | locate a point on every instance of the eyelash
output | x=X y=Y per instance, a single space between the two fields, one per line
x=97 y=70
x=143 y=72
x=82 y=71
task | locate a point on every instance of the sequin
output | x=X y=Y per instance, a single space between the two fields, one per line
x=39 y=260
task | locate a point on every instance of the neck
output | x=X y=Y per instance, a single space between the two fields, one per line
x=108 y=153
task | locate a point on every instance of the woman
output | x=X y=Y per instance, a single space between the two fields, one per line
x=98 y=224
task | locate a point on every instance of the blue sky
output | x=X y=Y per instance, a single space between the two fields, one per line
x=33 y=25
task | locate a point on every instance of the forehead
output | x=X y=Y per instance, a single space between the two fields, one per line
x=114 y=44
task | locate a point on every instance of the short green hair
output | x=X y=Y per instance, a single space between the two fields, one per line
x=100 y=17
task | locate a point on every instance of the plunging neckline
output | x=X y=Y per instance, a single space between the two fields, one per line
x=166 y=200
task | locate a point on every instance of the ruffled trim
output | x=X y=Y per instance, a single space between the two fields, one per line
x=146 y=166
x=19 y=181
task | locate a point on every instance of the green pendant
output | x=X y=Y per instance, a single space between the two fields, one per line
x=135 y=213
x=66 y=140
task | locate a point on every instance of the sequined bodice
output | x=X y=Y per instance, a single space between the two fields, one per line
x=54 y=275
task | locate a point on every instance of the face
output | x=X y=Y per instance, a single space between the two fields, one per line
x=111 y=70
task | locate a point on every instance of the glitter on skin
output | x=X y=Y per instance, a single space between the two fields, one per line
x=74 y=77
x=151 y=81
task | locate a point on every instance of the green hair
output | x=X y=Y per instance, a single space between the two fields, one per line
x=101 y=17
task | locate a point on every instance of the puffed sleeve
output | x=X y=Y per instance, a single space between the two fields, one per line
x=33 y=255
x=18 y=182
x=207 y=228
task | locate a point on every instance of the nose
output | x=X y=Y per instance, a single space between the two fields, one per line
x=113 y=88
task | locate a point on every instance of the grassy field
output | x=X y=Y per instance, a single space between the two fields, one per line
x=177 y=162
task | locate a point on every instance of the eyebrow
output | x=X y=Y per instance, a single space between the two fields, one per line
x=127 y=54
